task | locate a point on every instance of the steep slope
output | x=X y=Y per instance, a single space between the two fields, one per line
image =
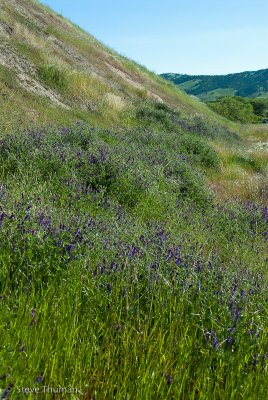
x=132 y=228
x=211 y=87
x=47 y=61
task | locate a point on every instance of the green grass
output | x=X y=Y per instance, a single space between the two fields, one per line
x=122 y=273
x=8 y=79
x=119 y=273
x=53 y=76
x=248 y=162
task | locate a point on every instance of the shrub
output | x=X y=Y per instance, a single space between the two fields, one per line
x=126 y=190
x=187 y=183
x=96 y=170
x=260 y=107
x=154 y=113
x=201 y=150
x=234 y=108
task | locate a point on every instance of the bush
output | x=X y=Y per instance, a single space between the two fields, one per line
x=234 y=108
x=201 y=150
x=260 y=107
x=187 y=183
x=201 y=126
x=155 y=113
x=127 y=190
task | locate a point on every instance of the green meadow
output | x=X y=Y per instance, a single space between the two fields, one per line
x=133 y=234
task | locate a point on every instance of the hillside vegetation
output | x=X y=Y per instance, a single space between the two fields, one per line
x=241 y=109
x=52 y=71
x=211 y=87
x=133 y=227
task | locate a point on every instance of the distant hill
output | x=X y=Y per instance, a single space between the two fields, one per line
x=212 y=87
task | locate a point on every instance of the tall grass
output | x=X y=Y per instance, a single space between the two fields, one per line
x=120 y=276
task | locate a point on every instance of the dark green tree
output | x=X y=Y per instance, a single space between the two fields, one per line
x=235 y=108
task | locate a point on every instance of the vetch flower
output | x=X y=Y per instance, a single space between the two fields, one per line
x=39 y=379
x=22 y=349
x=170 y=379
x=7 y=391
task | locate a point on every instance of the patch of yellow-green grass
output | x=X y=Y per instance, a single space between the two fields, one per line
x=7 y=79
x=84 y=90
x=5 y=17
x=243 y=173
x=237 y=183
x=86 y=86
x=113 y=103
x=23 y=33
x=19 y=108
x=249 y=132
x=255 y=132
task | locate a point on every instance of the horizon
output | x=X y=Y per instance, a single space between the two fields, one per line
x=218 y=38
x=230 y=73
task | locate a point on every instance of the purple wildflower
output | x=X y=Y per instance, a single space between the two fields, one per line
x=255 y=360
x=2 y=216
x=170 y=379
x=23 y=349
x=7 y=391
x=39 y=379
x=178 y=261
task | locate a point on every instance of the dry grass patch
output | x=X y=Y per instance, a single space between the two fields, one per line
x=31 y=38
x=86 y=86
x=244 y=174
x=116 y=103
x=236 y=183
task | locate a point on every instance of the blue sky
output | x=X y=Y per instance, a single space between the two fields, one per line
x=184 y=36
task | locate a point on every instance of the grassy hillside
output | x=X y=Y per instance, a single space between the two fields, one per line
x=133 y=228
x=212 y=87
x=51 y=69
